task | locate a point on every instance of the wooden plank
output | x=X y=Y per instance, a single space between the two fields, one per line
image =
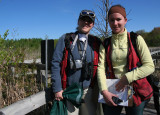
x=31 y=65
x=155 y=52
x=157 y=68
x=28 y=104
x=156 y=56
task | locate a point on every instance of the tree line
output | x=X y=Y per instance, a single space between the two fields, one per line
x=31 y=43
x=152 y=39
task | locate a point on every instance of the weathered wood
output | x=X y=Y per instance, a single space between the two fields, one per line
x=156 y=56
x=157 y=68
x=28 y=104
x=155 y=52
x=31 y=65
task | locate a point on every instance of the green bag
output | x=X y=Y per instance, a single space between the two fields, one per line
x=59 y=108
x=73 y=94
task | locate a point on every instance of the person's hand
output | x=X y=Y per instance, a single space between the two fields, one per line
x=58 y=95
x=108 y=97
x=123 y=82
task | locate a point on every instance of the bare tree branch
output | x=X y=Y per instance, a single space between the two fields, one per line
x=101 y=25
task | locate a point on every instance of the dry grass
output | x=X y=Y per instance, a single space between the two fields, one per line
x=19 y=85
x=32 y=54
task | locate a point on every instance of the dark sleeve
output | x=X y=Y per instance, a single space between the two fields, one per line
x=55 y=68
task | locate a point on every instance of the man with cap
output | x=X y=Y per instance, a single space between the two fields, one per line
x=75 y=60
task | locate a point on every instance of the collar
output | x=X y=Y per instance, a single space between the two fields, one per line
x=121 y=35
x=82 y=37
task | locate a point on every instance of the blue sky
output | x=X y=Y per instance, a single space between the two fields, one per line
x=53 y=18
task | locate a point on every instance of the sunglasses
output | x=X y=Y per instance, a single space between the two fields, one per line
x=83 y=13
x=86 y=19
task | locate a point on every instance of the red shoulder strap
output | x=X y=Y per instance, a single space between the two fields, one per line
x=63 y=69
x=64 y=60
x=96 y=46
x=108 y=51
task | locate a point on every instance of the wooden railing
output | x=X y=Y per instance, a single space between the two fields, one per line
x=37 y=100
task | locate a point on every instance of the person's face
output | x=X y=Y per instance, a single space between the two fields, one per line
x=85 y=24
x=117 y=23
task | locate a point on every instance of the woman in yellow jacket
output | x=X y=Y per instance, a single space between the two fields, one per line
x=119 y=54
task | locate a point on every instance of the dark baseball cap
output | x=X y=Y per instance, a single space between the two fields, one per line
x=87 y=13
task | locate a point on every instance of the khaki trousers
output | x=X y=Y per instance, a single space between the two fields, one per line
x=86 y=108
